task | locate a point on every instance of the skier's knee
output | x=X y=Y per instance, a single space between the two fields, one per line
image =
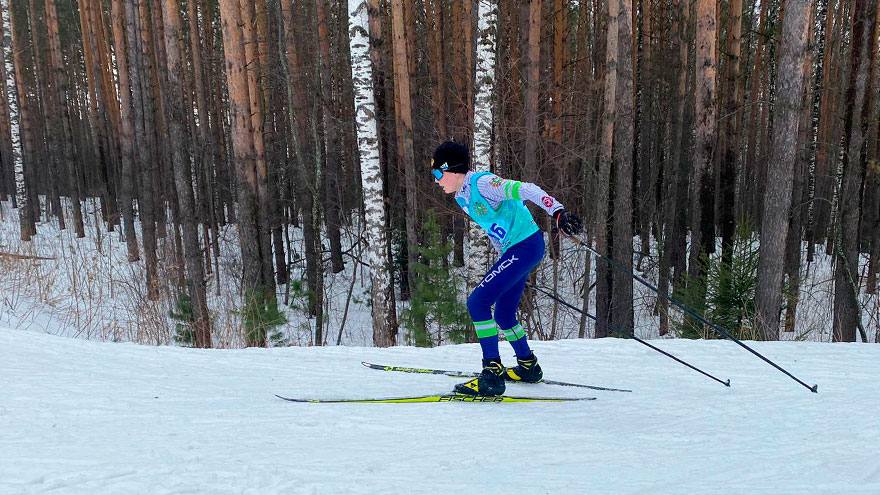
x=477 y=307
x=505 y=320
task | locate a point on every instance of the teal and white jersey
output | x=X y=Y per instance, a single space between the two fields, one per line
x=497 y=205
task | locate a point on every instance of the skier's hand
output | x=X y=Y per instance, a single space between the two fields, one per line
x=568 y=222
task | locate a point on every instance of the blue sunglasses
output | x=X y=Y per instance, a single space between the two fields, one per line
x=438 y=172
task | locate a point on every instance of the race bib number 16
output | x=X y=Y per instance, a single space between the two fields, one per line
x=498 y=232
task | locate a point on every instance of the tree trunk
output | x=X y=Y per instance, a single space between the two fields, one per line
x=22 y=130
x=846 y=276
x=622 y=292
x=815 y=114
x=704 y=147
x=7 y=158
x=403 y=114
x=58 y=82
x=750 y=186
x=253 y=51
x=603 y=272
x=332 y=144
x=110 y=116
x=308 y=180
x=382 y=295
x=674 y=204
x=644 y=183
x=225 y=176
x=277 y=153
x=871 y=202
x=784 y=153
x=126 y=136
x=143 y=159
x=195 y=274
x=207 y=143
x=800 y=195
x=532 y=89
x=826 y=152
x=253 y=286
x=352 y=195
x=47 y=156
x=159 y=158
x=478 y=249
x=728 y=134
x=434 y=18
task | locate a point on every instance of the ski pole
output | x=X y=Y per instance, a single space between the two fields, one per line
x=661 y=351
x=693 y=313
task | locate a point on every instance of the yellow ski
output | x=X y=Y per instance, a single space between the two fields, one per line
x=469 y=374
x=438 y=398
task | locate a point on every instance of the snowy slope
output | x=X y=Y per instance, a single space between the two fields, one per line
x=87 y=417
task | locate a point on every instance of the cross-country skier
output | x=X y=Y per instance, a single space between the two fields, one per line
x=497 y=205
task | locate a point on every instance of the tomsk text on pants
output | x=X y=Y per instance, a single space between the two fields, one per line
x=504 y=264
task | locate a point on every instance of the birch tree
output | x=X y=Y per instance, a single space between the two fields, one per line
x=21 y=128
x=7 y=158
x=384 y=331
x=478 y=259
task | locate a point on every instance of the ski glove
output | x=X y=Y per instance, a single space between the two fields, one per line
x=568 y=222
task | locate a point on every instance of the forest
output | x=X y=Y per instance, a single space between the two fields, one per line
x=245 y=155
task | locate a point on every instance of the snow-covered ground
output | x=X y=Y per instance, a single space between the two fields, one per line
x=79 y=416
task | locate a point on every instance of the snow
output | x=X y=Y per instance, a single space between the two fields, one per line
x=80 y=416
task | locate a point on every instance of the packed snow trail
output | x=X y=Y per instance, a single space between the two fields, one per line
x=87 y=417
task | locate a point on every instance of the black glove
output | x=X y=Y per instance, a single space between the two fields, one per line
x=568 y=222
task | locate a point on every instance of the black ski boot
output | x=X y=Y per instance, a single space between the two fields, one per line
x=489 y=383
x=526 y=370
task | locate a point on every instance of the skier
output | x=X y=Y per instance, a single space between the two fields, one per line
x=497 y=205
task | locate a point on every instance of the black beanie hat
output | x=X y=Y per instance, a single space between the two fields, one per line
x=454 y=155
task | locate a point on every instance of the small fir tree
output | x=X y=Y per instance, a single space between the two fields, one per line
x=298 y=301
x=261 y=316
x=434 y=310
x=730 y=290
x=183 y=315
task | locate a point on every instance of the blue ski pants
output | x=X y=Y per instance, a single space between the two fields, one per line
x=503 y=286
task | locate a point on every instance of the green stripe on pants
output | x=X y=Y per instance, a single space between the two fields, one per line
x=514 y=333
x=486 y=328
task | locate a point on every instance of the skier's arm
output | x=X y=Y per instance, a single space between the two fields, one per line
x=495 y=188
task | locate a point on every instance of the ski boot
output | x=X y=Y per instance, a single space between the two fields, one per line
x=489 y=383
x=526 y=370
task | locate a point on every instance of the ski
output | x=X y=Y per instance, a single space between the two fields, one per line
x=468 y=374
x=437 y=398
